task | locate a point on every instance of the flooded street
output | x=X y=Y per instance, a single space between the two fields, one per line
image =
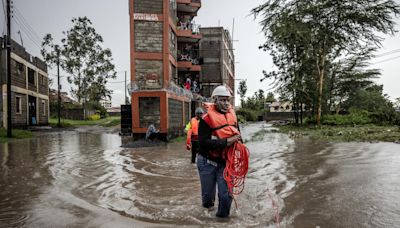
x=86 y=179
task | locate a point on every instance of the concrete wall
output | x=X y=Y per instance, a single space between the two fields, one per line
x=175 y=115
x=20 y=63
x=149 y=111
x=148 y=6
x=43 y=85
x=149 y=74
x=187 y=112
x=218 y=67
x=173 y=72
x=19 y=119
x=173 y=43
x=18 y=74
x=43 y=111
x=148 y=36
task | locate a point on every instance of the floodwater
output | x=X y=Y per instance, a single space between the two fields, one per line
x=86 y=179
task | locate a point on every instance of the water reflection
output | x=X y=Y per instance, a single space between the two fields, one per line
x=81 y=179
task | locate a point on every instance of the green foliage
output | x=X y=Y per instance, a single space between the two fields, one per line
x=309 y=41
x=16 y=134
x=241 y=119
x=356 y=117
x=242 y=90
x=94 y=117
x=82 y=56
x=98 y=107
x=345 y=133
x=247 y=114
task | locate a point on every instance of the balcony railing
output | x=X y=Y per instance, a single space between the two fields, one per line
x=187 y=25
x=189 y=58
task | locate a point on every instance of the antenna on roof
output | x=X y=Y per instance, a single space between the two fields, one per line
x=20 y=36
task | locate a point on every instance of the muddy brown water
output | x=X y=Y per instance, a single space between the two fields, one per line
x=85 y=179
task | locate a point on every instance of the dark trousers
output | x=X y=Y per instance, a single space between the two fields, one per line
x=212 y=176
x=195 y=150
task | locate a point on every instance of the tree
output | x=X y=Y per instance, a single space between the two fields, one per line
x=320 y=32
x=397 y=103
x=270 y=97
x=88 y=64
x=242 y=91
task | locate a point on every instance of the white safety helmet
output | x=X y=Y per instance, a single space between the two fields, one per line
x=199 y=111
x=221 y=91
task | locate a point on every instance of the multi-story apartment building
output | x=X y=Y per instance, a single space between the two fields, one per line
x=29 y=88
x=218 y=65
x=164 y=57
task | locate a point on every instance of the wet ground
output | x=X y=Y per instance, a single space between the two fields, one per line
x=84 y=178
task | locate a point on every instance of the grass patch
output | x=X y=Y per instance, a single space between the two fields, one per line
x=106 y=122
x=16 y=134
x=362 y=133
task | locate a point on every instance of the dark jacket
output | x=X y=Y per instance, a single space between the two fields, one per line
x=207 y=144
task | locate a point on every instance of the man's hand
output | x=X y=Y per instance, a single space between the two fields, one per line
x=230 y=141
x=188 y=147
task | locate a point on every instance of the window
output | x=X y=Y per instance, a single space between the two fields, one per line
x=42 y=79
x=18 y=103
x=19 y=68
x=43 y=107
x=31 y=76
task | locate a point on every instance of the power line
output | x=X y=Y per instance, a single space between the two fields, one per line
x=24 y=21
x=386 y=60
x=116 y=82
x=26 y=32
x=388 y=53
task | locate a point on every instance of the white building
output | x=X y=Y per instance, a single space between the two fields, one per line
x=105 y=103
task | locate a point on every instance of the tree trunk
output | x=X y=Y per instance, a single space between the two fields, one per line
x=321 y=74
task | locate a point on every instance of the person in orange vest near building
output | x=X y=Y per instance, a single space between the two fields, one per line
x=218 y=130
x=192 y=128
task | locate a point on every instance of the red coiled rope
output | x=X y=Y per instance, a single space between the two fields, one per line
x=237 y=165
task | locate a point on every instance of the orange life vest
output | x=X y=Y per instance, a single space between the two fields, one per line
x=194 y=123
x=223 y=125
x=193 y=132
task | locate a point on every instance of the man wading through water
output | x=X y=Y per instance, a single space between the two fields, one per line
x=218 y=130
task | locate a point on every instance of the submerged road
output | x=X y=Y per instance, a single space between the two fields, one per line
x=85 y=178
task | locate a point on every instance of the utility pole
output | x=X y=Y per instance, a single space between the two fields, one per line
x=9 y=123
x=126 y=102
x=58 y=86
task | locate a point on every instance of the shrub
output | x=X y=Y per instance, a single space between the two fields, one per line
x=241 y=119
x=247 y=114
x=94 y=117
x=358 y=117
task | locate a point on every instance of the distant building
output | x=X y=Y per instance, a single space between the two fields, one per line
x=65 y=99
x=284 y=106
x=29 y=88
x=218 y=66
x=106 y=103
x=114 y=111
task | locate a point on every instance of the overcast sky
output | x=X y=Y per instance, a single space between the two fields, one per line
x=35 y=18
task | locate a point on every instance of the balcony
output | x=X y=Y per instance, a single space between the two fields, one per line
x=188 y=58
x=190 y=81
x=188 y=6
x=188 y=32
